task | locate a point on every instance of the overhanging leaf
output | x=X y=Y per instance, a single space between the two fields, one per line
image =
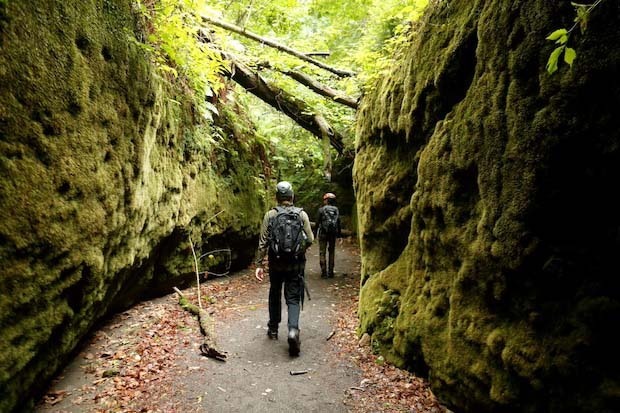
x=552 y=63
x=556 y=35
x=570 y=55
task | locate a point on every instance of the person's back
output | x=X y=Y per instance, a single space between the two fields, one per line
x=329 y=220
x=328 y=229
x=287 y=239
x=285 y=236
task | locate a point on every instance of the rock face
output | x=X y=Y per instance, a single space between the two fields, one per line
x=105 y=173
x=488 y=224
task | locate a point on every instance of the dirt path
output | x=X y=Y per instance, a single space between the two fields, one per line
x=256 y=377
x=147 y=358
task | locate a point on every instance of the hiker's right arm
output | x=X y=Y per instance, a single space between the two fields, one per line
x=261 y=253
x=339 y=228
x=317 y=222
x=307 y=228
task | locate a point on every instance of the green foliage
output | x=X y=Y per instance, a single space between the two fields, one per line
x=361 y=35
x=390 y=23
x=172 y=27
x=268 y=17
x=561 y=36
x=293 y=154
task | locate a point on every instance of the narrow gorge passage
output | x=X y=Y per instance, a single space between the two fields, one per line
x=147 y=358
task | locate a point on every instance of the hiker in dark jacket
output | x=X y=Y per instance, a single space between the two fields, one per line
x=328 y=229
x=282 y=268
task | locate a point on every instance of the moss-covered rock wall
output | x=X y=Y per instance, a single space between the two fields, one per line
x=104 y=173
x=488 y=221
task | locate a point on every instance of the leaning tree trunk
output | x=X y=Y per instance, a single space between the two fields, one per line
x=283 y=101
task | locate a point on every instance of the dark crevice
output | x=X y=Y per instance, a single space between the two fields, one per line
x=75 y=294
x=74 y=108
x=64 y=187
x=466 y=194
x=398 y=197
x=106 y=53
x=459 y=72
x=83 y=43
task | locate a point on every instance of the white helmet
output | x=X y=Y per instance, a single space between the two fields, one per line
x=284 y=190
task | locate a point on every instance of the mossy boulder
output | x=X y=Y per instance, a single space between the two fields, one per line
x=105 y=174
x=488 y=225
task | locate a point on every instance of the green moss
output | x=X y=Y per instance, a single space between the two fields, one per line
x=504 y=391
x=496 y=341
x=105 y=175
x=467 y=159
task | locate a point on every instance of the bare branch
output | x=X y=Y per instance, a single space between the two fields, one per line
x=315 y=86
x=276 y=45
x=318 y=54
x=321 y=89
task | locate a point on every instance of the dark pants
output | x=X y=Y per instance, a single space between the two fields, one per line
x=327 y=243
x=293 y=294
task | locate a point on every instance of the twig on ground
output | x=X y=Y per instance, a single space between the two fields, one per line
x=191 y=244
x=207 y=327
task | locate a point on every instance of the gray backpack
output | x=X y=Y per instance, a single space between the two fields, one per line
x=329 y=221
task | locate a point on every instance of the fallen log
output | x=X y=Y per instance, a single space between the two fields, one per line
x=207 y=327
x=284 y=102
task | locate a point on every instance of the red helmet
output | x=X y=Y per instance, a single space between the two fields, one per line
x=329 y=195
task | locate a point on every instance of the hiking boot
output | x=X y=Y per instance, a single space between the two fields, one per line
x=272 y=334
x=323 y=275
x=330 y=274
x=294 y=344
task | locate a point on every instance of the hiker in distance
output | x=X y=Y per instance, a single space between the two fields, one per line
x=327 y=230
x=284 y=237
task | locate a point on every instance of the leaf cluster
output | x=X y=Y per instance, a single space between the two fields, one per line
x=172 y=28
x=388 y=28
x=361 y=35
x=562 y=36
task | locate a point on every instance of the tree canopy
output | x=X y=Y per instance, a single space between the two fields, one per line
x=314 y=57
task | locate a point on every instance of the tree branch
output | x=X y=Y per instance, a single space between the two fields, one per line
x=318 y=54
x=207 y=328
x=321 y=89
x=281 y=47
x=284 y=102
x=315 y=86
